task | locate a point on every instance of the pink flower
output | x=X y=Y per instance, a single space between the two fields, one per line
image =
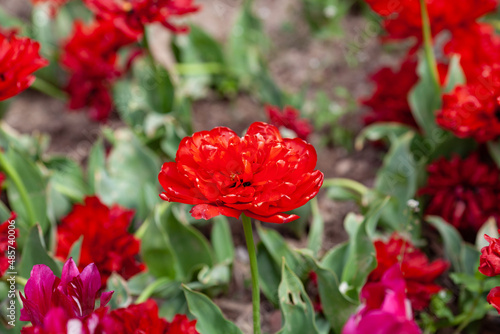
x=73 y=295
x=385 y=309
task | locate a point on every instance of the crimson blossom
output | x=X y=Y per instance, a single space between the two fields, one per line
x=91 y=57
x=419 y=274
x=385 y=308
x=260 y=175
x=289 y=118
x=106 y=240
x=464 y=192
x=130 y=16
x=489 y=265
x=19 y=58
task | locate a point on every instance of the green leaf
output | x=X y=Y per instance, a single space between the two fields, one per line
x=452 y=241
x=67 y=177
x=425 y=98
x=278 y=248
x=336 y=307
x=222 y=240
x=35 y=252
x=494 y=149
x=379 y=131
x=489 y=228
x=210 y=319
x=121 y=294
x=269 y=274
x=190 y=248
x=455 y=75
x=156 y=250
x=335 y=259
x=296 y=307
x=76 y=250
x=315 y=239
x=34 y=183
x=96 y=164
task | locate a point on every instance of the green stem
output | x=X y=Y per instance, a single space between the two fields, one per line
x=146 y=293
x=346 y=183
x=49 y=89
x=247 y=227
x=199 y=68
x=23 y=193
x=468 y=318
x=429 y=53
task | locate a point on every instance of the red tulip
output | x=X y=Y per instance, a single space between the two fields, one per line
x=261 y=174
x=489 y=261
x=290 y=119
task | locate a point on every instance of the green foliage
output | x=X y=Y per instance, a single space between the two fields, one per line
x=35 y=252
x=324 y=16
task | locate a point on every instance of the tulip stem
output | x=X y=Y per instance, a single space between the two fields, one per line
x=247 y=227
x=49 y=89
x=429 y=53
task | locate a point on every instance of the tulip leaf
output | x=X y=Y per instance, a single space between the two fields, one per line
x=335 y=258
x=33 y=182
x=190 y=248
x=296 y=307
x=336 y=307
x=452 y=241
x=96 y=163
x=489 y=228
x=425 y=98
x=76 y=250
x=222 y=240
x=156 y=250
x=121 y=294
x=35 y=252
x=210 y=319
x=379 y=131
x=269 y=274
x=316 y=232
x=455 y=74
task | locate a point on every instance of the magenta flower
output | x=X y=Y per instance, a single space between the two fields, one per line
x=385 y=308
x=49 y=301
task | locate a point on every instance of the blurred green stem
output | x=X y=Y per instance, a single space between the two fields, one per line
x=346 y=183
x=150 y=289
x=429 y=53
x=23 y=193
x=247 y=227
x=470 y=314
x=49 y=89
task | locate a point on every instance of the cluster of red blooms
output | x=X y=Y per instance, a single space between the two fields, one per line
x=91 y=53
x=261 y=174
x=465 y=192
x=419 y=274
x=106 y=241
x=489 y=265
x=67 y=304
x=289 y=118
x=19 y=58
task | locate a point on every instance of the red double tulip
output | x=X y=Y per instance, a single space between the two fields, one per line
x=261 y=174
x=19 y=58
x=489 y=261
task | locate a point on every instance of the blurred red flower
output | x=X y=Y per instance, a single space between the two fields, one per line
x=4 y=243
x=489 y=261
x=181 y=325
x=419 y=274
x=131 y=16
x=402 y=19
x=290 y=119
x=389 y=102
x=494 y=298
x=384 y=309
x=471 y=111
x=106 y=241
x=90 y=55
x=261 y=174
x=464 y=192
x=19 y=58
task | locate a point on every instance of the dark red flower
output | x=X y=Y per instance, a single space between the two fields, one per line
x=181 y=325
x=290 y=119
x=49 y=301
x=389 y=102
x=419 y=274
x=106 y=241
x=139 y=318
x=130 y=16
x=464 y=192
x=90 y=55
x=489 y=261
x=494 y=298
x=261 y=174
x=19 y=58
x=7 y=239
